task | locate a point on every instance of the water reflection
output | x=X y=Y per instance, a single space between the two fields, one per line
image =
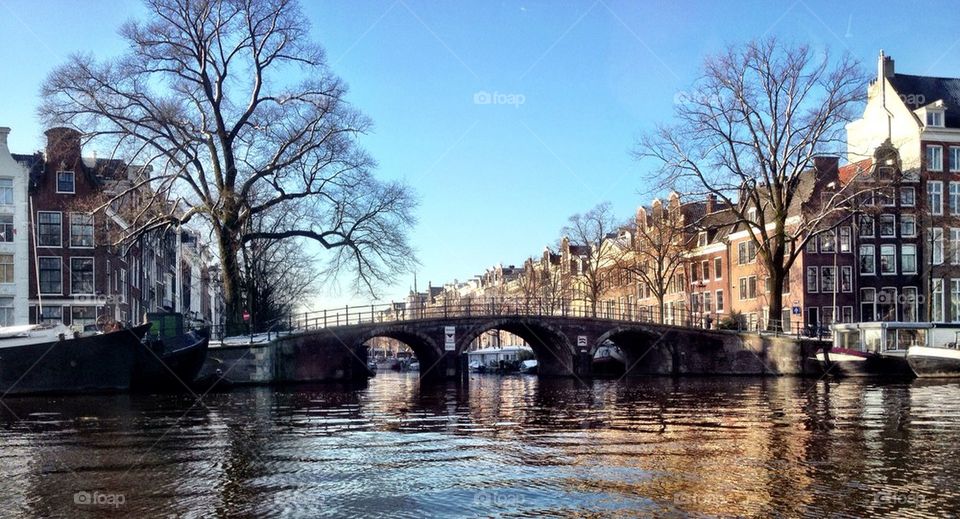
x=514 y=446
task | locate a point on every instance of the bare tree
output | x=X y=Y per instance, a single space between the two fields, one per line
x=747 y=134
x=238 y=115
x=277 y=276
x=656 y=252
x=589 y=232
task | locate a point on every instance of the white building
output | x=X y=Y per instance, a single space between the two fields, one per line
x=14 y=229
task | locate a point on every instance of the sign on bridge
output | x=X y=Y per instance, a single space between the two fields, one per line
x=449 y=338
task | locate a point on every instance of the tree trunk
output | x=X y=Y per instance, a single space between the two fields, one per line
x=232 y=297
x=661 y=306
x=775 y=298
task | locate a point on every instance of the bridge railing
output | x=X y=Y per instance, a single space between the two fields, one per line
x=535 y=307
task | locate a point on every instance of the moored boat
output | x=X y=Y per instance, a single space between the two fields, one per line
x=171 y=363
x=53 y=359
x=870 y=349
x=926 y=361
x=529 y=366
x=171 y=358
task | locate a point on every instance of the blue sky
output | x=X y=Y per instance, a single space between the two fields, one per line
x=575 y=84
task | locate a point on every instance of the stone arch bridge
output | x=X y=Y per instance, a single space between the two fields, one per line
x=332 y=344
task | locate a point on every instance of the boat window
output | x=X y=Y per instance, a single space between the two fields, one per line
x=907 y=338
x=871 y=339
x=850 y=339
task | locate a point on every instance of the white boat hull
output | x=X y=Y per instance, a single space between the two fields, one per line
x=934 y=362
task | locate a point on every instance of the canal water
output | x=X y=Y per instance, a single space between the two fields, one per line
x=499 y=446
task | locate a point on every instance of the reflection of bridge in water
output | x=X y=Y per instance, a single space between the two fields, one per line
x=563 y=338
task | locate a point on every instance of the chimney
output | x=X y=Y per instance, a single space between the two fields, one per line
x=63 y=145
x=884 y=66
x=4 y=131
x=711 y=202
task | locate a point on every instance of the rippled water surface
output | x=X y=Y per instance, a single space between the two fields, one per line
x=512 y=446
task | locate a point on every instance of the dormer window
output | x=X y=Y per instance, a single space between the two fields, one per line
x=66 y=182
x=701 y=239
x=935 y=118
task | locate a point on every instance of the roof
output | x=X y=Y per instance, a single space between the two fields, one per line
x=926 y=90
x=849 y=171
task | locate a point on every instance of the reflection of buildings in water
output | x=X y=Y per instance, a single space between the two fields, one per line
x=387 y=348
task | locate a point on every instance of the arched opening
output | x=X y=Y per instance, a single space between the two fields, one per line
x=400 y=350
x=608 y=360
x=510 y=344
x=643 y=352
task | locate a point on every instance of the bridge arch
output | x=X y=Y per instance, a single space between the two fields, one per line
x=424 y=347
x=554 y=352
x=646 y=351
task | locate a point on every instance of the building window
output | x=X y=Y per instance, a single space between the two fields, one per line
x=955 y=300
x=6 y=311
x=866 y=198
x=6 y=227
x=83 y=315
x=828 y=279
x=909 y=306
x=908 y=226
x=49 y=229
x=886 y=197
x=936 y=300
x=935 y=197
x=748 y=287
x=845 y=239
x=51 y=275
x=908 y=196
x=846 y=314
x=719 y=300
x=867 y=299
x=936 y=245
x=786 y=283
x=6 y=268
x=51 y=314
x=718 y=268
x=828 y=241
x=935 y=118
x=81 y=230
x=953 y=197
x=887 y=304
x=954 y=246
x=954 y=158
x=6 y=191
x=888 y=259
x=746 y=252
x=934 y=158
x=846 y=279
x=812 y=281
x=694 y=273
x=707 y=302
x=868 y=264
x=888 y=226
x=866 y=226
x=81 y=275
x=701 y=239
x=705 y=269
x=811 y=247
x=908 y=258
x=66 y=182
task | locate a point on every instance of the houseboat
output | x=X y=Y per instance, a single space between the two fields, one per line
x=871 y=348
x=939 y=356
